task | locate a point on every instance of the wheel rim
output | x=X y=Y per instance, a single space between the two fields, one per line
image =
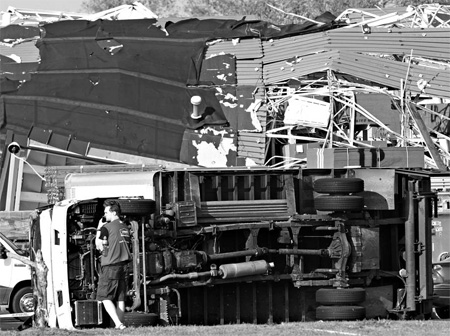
x=27 y=303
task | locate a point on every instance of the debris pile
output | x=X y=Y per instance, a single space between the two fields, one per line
x=381 y=81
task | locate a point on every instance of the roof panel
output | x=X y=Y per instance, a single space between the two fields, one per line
x=249 y=72
x=380 y=70
x=251 y=145
x=22 y=53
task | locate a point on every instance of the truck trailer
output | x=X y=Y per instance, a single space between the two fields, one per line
x=240 y=245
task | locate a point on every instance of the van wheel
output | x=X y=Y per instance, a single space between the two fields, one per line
x=339 y=203
x=339 y=185
x=137 y=206
x=23 y=302
x=335 y=313
x=334 y=296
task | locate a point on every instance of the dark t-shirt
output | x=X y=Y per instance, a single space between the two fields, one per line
x=118 y=237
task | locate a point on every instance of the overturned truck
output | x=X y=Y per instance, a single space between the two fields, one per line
x=246 y=245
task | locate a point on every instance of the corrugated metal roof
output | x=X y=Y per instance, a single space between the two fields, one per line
x=375 y=69
x=292 y=47
x=281 y=71
x=249 y=72
x=428 y=42
x=252 y=145
x=22 y=53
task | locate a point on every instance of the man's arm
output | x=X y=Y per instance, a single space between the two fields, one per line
x=101 y=232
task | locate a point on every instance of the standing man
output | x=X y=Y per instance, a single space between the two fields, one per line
x=112 y=239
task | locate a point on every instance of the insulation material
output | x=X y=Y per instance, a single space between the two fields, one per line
x=306 y=111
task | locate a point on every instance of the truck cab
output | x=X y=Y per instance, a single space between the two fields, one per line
x=15 y=281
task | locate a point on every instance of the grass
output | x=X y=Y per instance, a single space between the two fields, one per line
x=369 y=327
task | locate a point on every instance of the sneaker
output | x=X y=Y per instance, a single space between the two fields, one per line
x=121 y=326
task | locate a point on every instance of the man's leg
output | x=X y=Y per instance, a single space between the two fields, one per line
x=120 y=309
x=111 y=310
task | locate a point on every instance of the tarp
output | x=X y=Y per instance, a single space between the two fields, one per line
x=126 y=85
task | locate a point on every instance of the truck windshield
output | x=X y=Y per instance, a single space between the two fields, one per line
x=8 y=242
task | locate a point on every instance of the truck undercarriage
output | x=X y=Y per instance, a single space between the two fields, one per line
x=254 y=246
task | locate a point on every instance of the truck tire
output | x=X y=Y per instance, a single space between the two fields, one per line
x=344 y=296
x=137 y=206
x=23 y=302
x=338 y=185
x=140 y=319
x=335 y=313
x=339 y=203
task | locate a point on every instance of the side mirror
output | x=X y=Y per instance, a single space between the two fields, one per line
x=3 y=254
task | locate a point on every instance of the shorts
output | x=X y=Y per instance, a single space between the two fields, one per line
x=112 y=283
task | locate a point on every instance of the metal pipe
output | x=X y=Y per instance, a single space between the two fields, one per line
x=188 y=276
x=15 y=148
x=263 y=250
x=195 y=101
x=409 y=251
x=326 y=270
x=321 y=252
x=144 y=266
x=245 y=253
x=83 y=270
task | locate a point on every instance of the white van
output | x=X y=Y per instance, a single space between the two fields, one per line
x=15 y=280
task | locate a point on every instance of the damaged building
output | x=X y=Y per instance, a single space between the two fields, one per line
x=368 y=88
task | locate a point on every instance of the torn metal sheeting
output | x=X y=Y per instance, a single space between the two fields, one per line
x=379 y=70
x=240 y=48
